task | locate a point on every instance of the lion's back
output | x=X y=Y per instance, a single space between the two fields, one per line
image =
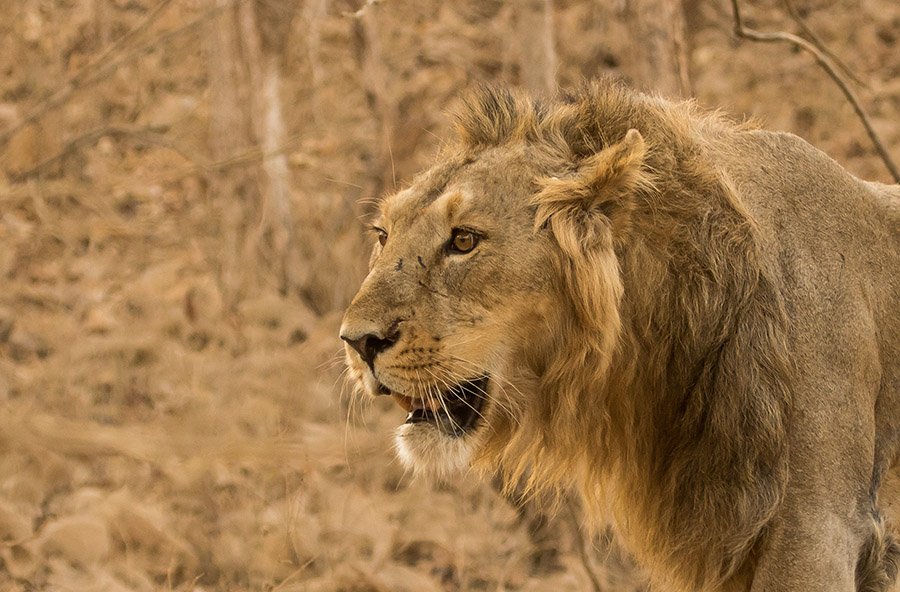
x=828 y=234
x=833 y=241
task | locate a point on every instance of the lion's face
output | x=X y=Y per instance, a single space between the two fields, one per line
x=453 y=306
x=494 y=272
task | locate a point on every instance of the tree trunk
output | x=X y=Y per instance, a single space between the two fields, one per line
x=314 y=13
x=229 y=133
x=659 y=47
x=537 y=46
x=245 y=45
x=382 y=101
x=264 y=35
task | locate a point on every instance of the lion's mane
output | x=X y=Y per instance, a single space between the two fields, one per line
x=663 y=400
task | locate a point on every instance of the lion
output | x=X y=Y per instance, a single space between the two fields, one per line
x=690 y=323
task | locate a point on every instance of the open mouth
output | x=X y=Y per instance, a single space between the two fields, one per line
x=454 y=412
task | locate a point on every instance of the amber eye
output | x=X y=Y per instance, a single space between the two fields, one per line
x=382 y=236
x=463 y=241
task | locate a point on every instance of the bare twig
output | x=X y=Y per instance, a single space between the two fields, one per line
x=154 y=43
x=741 y=31
x=103 y=66
x=154 y=136
x=817 y=41
x=251 y=156
x=123 y=40
x=145 y=135
x=248 y=157
x=61 y=93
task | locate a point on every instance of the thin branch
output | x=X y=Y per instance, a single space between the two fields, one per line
x=741 y=31
x=144 y=135
x=251 y=156
x=817 y=41
x=123 y=40
x=104 y=66
x=154 y=136
x=61 y=93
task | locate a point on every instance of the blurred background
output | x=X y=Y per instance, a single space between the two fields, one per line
x=183 y=189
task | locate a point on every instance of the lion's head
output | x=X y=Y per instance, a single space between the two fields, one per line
x=480 y=272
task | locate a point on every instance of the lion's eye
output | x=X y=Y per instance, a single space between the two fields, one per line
x=463 y=241
x=382 y=236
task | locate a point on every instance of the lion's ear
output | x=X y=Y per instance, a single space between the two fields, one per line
x=587 y=214
x=600 y=191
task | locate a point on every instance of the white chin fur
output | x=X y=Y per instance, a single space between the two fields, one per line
x=426 y=451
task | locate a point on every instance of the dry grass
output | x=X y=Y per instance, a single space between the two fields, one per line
x=170 y=413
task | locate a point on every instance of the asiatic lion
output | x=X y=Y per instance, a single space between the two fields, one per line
x=692 y=323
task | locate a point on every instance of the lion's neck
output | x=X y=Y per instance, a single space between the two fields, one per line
x=685 y=420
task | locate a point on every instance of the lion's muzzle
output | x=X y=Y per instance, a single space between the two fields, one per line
x=369 y=345
x=454 y=412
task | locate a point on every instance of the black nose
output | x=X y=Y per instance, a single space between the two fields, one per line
x=370 y=345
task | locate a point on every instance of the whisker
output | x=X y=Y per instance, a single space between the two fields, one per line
x=499 y=380
x=494 y=375
x=440 y=399
x=507 y=407
x=333 y=361
x=450 y=388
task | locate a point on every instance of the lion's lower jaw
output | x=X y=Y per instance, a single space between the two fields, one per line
x=430 y=453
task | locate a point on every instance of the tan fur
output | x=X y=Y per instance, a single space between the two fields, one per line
x=690 y=322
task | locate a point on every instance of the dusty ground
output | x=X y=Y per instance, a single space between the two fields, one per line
x=164 y=426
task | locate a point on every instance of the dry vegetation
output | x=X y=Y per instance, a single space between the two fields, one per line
x=181 y=191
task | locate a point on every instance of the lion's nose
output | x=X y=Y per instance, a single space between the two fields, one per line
x=370 y=345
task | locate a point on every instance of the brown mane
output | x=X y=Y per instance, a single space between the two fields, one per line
x=671 y=356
